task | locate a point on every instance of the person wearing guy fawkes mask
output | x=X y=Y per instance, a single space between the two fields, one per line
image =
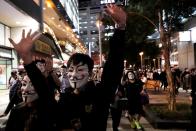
x=28 y=115
x=133 y=88
x=85 y=105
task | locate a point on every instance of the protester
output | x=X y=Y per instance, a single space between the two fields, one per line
x=84 y=106
x=14 y=89
x=133 y=91
x=163 y=79
x=33 y=114
x=64 y=79
x=15 y=96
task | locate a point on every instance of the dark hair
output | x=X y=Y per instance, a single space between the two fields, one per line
x=13 y=73
x=77 y=58
x=130 y=71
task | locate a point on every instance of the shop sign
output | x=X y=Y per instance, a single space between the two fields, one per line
x=42 y=47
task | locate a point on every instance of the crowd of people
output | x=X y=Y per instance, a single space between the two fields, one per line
x=83 y=104
x=79 y=98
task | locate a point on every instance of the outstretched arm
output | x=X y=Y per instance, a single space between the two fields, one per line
x=118 y=15
x=24 y=47
x=113 y=68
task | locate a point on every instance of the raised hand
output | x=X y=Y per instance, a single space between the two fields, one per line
x=118 y=15
x=24 y=47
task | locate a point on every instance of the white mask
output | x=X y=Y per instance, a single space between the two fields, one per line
x=131 y=76
x=28 y=92
x=41 y=66
x=78 y=75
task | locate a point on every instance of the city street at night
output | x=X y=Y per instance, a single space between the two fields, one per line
x=68 y=65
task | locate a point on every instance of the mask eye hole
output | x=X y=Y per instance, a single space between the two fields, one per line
x=24 y=84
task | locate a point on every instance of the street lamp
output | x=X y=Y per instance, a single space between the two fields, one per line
x=141 y=54
x=99 y=24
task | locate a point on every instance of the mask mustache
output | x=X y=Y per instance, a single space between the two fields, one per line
x=25 y=98
x=28 y=93
x=75 y=78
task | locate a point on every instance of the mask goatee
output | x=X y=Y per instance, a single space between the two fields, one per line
x=76 y=91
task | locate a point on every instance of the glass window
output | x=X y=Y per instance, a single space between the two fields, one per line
x=94 y=32
x=83 y=32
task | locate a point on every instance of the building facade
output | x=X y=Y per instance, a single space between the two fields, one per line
x=35 y=15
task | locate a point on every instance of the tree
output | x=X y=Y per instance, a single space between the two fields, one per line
x=170 y=15
x=137 y=25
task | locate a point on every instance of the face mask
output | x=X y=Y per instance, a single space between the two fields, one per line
x=41 y=66
x=28 y=92
x=78 y=75
x=131 y=76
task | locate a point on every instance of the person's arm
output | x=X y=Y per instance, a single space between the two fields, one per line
x=56 y=81
x=24 y=47
x=113 y=67
x=38 y=80
x=24 y=50
x=123 y=80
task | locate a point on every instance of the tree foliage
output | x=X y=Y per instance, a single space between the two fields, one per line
x=175 y=12
x=138 y=27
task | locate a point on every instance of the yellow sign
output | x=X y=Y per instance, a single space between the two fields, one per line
x=43 y=47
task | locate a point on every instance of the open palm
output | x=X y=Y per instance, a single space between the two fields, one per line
x=118 y=15
x=24 y=47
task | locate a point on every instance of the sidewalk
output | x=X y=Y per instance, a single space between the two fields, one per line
x=156 y=97
x=4 y=99
x=125 y=126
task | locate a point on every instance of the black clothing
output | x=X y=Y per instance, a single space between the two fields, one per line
x=90 y=107
x=116 y=116
x=116 y=108
x=156 y=76
x=44 y=109
x=52 y=85
x=193 y=106
x=163 y=79
x=14 y=89
x=134 y=97
x=15 y=96
x=23 y=117
x=16 y=99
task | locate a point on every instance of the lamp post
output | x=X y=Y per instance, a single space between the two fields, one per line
x=99 y=24
x=141 y=54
